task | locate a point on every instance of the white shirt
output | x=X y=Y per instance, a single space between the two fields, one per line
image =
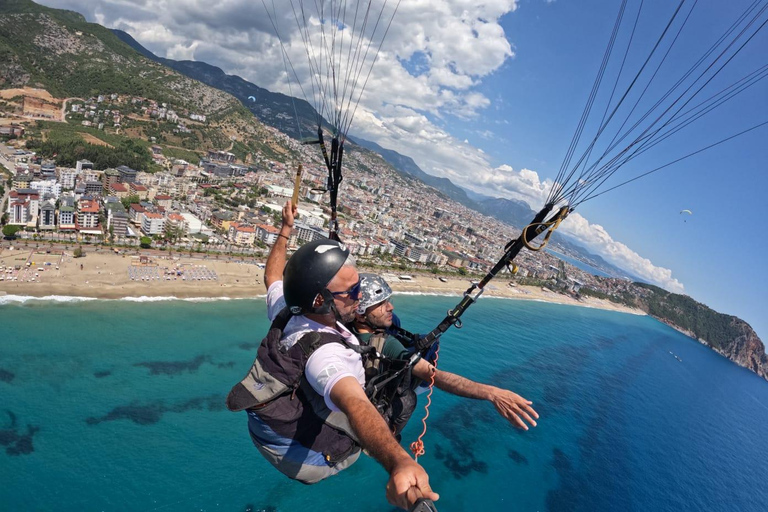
x=328 y=364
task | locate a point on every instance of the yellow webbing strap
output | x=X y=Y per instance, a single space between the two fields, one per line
x=297 y=186
x=552 y=225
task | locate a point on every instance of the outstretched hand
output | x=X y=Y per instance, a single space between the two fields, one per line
x=289 y=213
x=407 y=483
x=514 y=408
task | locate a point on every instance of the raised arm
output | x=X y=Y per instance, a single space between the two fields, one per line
x=407 y=480
x=273 y=270
x=510 y=405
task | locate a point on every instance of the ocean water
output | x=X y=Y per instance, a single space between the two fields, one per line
x=119 y=405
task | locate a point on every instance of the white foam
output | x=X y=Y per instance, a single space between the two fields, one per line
x=22 y=299
x=430 y=294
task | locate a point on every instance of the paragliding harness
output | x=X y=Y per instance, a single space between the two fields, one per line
x=388 y=384
x=276 y=392
x=333 y=163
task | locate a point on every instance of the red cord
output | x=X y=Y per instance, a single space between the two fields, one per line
x=417 y=447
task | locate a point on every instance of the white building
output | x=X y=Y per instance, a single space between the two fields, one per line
x=152 y=223
x=83 y=165
x=312 y=218
x=278 y=191
x=308 y=233
x=67 y=178
x=194 y=225
x=87 y=214
x=23 y=206
x=47 y=187
x=267 y=234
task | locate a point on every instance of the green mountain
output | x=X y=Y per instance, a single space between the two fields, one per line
x=61 y=52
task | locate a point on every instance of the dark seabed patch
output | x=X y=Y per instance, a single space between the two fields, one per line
x=14 y=442
x=230 y=364
x=560 y=461
x=152 y=413
x=460 y=457
x=606 y=343
x=568 y=495
x=6 y=376
x=102 y=374
x=517 y=457
x=579 y=489
x=249 y=346
x=174 y=367
x=461 y=463
x=462 y=423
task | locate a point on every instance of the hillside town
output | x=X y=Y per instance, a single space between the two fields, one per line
x=222 y=204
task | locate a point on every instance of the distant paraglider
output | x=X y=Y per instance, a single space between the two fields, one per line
x=252 y=98
x=686 y=212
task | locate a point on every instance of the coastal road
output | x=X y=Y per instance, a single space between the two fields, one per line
x=9 y=166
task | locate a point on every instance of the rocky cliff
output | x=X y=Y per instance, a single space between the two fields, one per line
x=746 y=350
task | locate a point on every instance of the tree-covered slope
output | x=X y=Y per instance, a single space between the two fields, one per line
x=61 y=52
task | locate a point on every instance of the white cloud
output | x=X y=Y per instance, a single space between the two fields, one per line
x=599 y=241
x=525 y=185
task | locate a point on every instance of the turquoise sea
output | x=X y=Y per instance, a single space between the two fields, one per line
x=119 y=406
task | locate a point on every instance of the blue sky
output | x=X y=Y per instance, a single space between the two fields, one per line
x=718 y=253
x=489 y=94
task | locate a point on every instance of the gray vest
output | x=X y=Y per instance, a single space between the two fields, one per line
x=276 y=390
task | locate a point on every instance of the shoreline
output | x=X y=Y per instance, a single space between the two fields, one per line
x=145 y=277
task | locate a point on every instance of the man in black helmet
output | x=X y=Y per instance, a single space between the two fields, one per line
x=320 y=286
x=375 y=313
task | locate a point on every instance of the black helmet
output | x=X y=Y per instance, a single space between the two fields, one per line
x=309 y=271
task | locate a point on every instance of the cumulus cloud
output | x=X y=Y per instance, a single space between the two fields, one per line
x=436 y=53
x=526 y=185
x=599 y=241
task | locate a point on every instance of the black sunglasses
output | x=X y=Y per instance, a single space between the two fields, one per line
x=353 y=293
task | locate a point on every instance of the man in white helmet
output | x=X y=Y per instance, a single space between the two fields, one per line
x=375 y=313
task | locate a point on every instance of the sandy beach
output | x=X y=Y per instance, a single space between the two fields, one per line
x=25 y=271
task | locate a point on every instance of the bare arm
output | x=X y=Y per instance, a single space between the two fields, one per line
x=407 y=480
x=273 y=270
x=510 y=405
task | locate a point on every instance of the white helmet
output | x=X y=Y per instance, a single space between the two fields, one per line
x=373 y=290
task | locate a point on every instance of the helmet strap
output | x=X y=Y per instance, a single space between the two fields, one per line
x=328 y=299
x=329 y=306
x=374 y=328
